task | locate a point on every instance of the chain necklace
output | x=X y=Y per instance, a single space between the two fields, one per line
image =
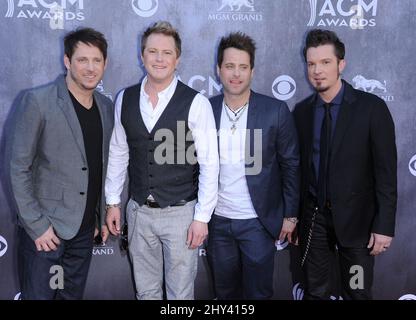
x=237 y=115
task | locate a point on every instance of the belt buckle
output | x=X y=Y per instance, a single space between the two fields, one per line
x=151 y=204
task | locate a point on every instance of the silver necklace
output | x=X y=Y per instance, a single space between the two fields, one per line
x=237 y=115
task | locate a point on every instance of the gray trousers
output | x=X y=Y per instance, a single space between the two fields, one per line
x=157 y=248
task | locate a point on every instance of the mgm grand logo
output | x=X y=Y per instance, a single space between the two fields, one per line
x=102 y=250
x=236 y=10
x=372 y=86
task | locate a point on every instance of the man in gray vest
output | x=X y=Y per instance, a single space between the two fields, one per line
x=58 y=165
x=160 y=124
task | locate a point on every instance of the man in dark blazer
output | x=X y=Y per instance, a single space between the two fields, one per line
x=259 y=178
x=349 y=181
x=58 y=165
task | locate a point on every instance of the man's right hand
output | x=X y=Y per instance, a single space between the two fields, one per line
x=113 y=220
x=47 y=241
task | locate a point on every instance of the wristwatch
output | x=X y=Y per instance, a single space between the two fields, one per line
x=292 y=219
x=115 y=205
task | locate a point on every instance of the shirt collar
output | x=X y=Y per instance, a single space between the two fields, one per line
x=337 y=99
x=164 y=94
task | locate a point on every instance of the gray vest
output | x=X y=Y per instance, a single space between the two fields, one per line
x=161 y=163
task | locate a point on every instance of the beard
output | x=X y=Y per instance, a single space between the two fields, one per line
x=319 y=87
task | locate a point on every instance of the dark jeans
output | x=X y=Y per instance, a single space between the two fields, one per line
x=317 y=267
x=241 y=256
x=36 y=273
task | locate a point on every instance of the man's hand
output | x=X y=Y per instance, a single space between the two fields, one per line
x=104 y=233
x=197 y=233
x=47 y=241
x=288 y=229
x=379 y=243
x=113 y=220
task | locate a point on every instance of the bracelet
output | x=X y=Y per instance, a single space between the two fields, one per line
x=115 y=205
x=292 y=219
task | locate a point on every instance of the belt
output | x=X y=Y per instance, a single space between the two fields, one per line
x=180 y=203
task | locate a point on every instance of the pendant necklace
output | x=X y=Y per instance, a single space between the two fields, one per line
x=237 y=115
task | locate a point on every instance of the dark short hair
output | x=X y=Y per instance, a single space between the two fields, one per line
x=237 y=40
x=319 y=37
x=88 y=36
x=165 y=28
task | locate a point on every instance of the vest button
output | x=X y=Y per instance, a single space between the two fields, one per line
x=150 y=175
x=151 y=188
x=82 y=193
x=84 y=169
x=150 y=162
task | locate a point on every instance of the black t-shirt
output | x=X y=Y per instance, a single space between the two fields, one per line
x=92 y=131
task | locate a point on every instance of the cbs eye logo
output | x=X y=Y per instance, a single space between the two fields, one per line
x=3 y=246
x=280 y=245
x=412 y=165
x=408 y=297
x=284 y=87
x=145 y=8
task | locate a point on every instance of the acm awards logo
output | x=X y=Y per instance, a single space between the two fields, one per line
x=3 y=246
x=372 y=86
x=284 y=87
x=236 y=10
x=356 y=14
x=145 y=8
x=55 y=11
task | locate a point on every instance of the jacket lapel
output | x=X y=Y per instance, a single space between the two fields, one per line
x=65 y=103
x=217 y=110
x=104 y=121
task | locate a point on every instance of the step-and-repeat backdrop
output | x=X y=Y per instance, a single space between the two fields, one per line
x=380 y=45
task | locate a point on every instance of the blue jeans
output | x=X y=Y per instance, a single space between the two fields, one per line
x=35 y=273
x=241 y=256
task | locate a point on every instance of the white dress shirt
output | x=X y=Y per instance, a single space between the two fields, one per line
x=234 y=201
x=202 y=125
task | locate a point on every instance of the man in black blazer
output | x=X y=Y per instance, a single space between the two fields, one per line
x=259 y=178
x=349 y=181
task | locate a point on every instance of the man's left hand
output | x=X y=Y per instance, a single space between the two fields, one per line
x=104 y=233
x=288 y=229
x=379 y=243
x=197 y=233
